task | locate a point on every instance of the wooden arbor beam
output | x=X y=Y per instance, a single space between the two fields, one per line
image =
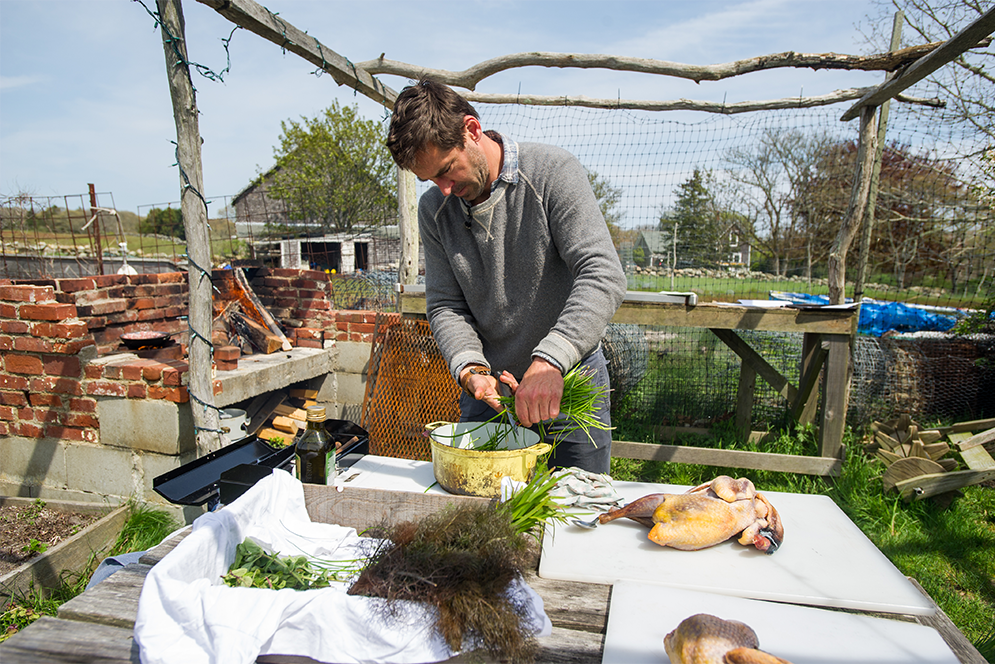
x=256 y=18
x=966 y=39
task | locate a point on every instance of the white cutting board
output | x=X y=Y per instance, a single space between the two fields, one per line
x=377 y=472
x=825 y=559
x=641 y=614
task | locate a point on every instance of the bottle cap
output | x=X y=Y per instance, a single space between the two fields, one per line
x=315 y=413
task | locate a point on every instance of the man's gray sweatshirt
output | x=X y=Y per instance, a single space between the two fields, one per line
x=535 y=274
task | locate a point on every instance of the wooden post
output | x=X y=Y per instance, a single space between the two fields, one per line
x=744 y=400
x=99 y=253
x=867 y=233
x=195 y=224
x=407 y=224
x=835 y=391
x=859 y=194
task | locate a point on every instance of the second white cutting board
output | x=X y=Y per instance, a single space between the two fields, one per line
x=641 y=615
x=825 y=559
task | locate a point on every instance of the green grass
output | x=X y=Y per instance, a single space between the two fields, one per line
x=730 y=289
x=222 y=242
x=950 y=552
x=145 y=528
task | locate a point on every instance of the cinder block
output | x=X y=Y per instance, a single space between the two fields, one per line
x=352 y=412
x=326 y=386
x=352 y=357
x=351 y=388
x=32 y=461
x=151 y=425
x=102 y=470
x=16 y=490
x=78 y=496
x=154 y=465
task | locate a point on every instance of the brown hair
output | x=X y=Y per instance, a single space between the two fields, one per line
x=427 y=112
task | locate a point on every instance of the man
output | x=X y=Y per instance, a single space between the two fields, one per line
x=521 y=276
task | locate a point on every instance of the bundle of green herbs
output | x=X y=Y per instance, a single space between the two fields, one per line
x=254 y=567
x=533 y=506
x=579 y=404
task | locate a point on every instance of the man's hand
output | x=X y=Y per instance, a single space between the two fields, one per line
x=537 y=398
x=483 y=387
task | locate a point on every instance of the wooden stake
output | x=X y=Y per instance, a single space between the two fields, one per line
x=859 y=195
x=194 y=209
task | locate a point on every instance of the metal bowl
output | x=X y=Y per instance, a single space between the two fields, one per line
x=460 y=469
x=145 y=339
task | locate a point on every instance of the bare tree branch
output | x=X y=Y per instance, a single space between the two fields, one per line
x=469 y=78
x=686 y=104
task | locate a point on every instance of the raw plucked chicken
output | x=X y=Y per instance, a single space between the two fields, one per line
x=707 y=639
x=707 y=515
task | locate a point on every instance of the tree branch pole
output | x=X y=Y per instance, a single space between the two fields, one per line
x=687 y=104
x=859 y=194
x=195 y=223
x=867 y=232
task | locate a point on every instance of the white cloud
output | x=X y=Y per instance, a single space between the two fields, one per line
x=13 y=82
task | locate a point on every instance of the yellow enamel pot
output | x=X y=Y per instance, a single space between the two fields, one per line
x=466 y=471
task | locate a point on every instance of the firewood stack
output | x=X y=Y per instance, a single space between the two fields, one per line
x=917 y=463
x=288 y=419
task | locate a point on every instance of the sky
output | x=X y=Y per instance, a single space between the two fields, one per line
x=84 y=96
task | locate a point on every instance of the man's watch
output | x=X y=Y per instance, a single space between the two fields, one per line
x=476 y=371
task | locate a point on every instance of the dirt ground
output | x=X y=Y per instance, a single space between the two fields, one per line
x=20 y=525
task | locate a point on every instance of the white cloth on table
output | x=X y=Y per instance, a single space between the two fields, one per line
x=186 y=615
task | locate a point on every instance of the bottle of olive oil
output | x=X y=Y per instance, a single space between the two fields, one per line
x=315 y=451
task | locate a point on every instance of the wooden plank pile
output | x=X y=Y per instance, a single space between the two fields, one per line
x=279 y=416
x=917 y=463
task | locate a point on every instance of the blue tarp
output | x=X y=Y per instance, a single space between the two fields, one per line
x=878 y=316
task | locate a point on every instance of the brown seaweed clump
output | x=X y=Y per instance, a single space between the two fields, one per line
x=460 y=560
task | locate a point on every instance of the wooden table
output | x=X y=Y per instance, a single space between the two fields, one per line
x=827 y=333
x=97 y=626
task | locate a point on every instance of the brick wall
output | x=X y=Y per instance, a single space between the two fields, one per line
x=114 y=304
x=51 y=333
x=41 y=373
x=59 y=338
x=301 y=300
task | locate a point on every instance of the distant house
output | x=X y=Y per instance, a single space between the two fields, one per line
x=254 y=208
x=376 y=248
x=656 y=248
x=734 y=250
x=737 y=246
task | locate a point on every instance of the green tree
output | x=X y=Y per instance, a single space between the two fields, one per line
x=697 y=220
x=335 y=172
x=163 y=221
x=609 y=199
